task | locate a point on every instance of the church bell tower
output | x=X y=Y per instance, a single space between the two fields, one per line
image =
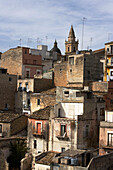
x=71 y=45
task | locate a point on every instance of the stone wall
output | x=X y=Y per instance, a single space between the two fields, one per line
x=101 y=162
x=19 y=124
x=8 y=85
x=60 y=74
x=45 y=100
x=26 y=162
x=12 y=60
x=42 y=85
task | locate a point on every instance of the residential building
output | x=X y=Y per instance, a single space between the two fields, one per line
x=44 y=160
x=82 y=159
x=79 y=69
x=8 y=86
x=10 y=124
x=22 y=62
x=108 y=69
x=39 y=130
x=43 y=99
x=106 y=127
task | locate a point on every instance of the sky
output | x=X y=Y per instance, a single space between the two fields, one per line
x=35 y=22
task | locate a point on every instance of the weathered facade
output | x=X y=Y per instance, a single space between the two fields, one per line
x=39 y=130
x=8 y=85
x=22 y=62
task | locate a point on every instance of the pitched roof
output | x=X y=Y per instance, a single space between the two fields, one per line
x=42 y=114
x=72 y=152
x=45 y=158
x=7 y=117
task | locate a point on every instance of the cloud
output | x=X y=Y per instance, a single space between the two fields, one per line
x=39 y=18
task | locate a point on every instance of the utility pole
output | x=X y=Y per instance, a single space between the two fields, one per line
x=83 y=21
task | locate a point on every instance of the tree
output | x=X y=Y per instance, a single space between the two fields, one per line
x=18 y=151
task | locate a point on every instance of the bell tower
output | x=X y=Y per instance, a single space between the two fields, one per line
x=71 y=45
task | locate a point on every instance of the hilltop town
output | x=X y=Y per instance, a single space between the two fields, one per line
x=59 y=106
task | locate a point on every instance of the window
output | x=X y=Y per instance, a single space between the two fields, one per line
x=20 y=84
x=28 y=102
x=6 y=106
x=10 y=78
x=78 y=94
x=89 y=95
x=38 y=101
x=59 y=112
x=25 y=51
x=62 y=149
x=68 y=48
x=111 y=60
x=63 y=130
x=111 y=73
x=35 y=144
x=110 y=139
x=70 y=70
x=38 y=71
x=26 y=84
x=27 y=74
x=0 y=128
x=66 y=93
x=87 y=130
x=107 y=50
x=111 y=49
x=102 y=112
x=107 y=61
x=71 y=60
x=74 y=49
x=38 y=128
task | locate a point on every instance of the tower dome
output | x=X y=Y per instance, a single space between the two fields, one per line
x=55 y=48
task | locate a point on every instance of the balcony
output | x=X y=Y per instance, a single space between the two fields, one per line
x=38 y=135
x=110 y=64
x=63 y=137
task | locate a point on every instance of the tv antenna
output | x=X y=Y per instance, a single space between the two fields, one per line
x=83 y=22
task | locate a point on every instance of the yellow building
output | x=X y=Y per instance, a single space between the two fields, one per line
x=108 y=67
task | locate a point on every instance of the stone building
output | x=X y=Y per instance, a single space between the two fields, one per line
x=8 y=85
x=39 y=130
x=10 y=124
x=20 y=61
x=106 y=127
x=41 y=100
x=78 y=70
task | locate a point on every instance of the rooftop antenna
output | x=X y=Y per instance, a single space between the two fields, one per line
x=83 y=21
x=91 y=39
x=29 y=41
x=37 y=41
x=20 y=40
x=46 y=39
x=109 y=36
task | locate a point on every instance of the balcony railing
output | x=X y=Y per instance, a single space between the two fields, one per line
x=63 y=137
x=37 y=134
